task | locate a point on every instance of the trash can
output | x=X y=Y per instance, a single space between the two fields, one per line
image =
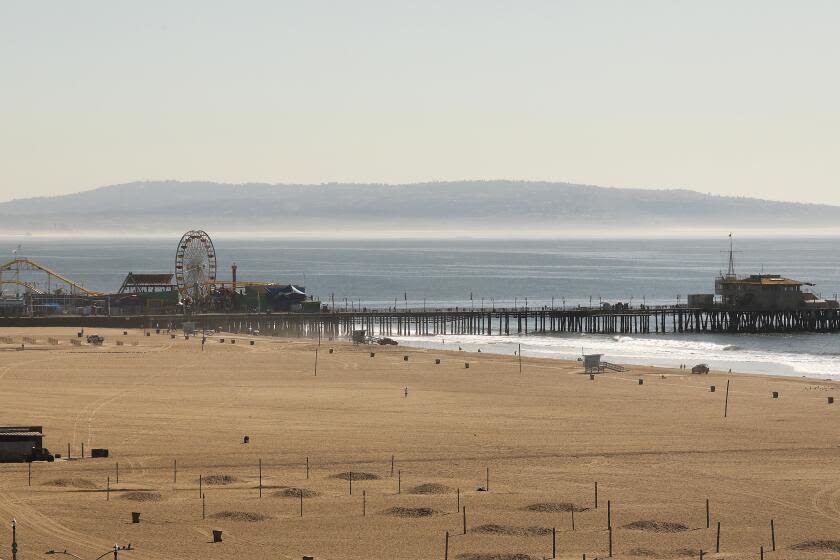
x=135 y=517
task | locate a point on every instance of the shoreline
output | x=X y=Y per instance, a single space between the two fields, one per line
x=507 y=346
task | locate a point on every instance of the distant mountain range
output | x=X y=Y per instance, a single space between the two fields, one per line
x=479 y=208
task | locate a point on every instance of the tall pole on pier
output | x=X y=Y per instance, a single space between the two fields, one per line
x=731 y=271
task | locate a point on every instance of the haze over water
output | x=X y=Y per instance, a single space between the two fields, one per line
x=504 y=273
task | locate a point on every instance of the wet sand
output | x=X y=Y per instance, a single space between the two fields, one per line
x=657 y=451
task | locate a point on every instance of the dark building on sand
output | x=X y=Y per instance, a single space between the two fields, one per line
x=19 y=444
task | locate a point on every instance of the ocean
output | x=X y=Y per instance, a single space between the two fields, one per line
x=475 y=273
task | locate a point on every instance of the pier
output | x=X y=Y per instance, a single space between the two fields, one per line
x=490 y=322
x=539 y=321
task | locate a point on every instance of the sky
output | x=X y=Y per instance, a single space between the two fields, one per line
x=735 y=97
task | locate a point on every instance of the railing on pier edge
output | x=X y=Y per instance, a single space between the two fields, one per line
x=417 y=322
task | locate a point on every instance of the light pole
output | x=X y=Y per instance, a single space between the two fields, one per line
x=113 y=550
x=14 y=539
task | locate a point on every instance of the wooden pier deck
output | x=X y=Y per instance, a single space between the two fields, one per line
x=478 y=322
x=535 y=321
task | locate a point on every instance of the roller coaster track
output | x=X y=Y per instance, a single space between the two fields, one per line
x=23 y=264
x=28 y=285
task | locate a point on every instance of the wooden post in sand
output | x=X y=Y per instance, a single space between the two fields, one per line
x=301 y=501
x=260 y=468
x=364 y=503
x=68 y=450
x=520 y=358
x=458 y=491
x=83 y=450
x=773 y=535
x=610 y=532
x=554 y=542
x=392 y=466
x=487 y=480
x=316 y=362
x=596 y=495
x=446 y=547
x=761 y=552
x=708 y=517
x=465 y=519
x=30 y=473
x=108 y=490
x=174 y=470
x=307 y=468
x=609 y=516
x=350 y=479
x=717 y=539
x=399 y=482
x=726 y=402
x=200 y=493
x=118 y=472
x=573 y=517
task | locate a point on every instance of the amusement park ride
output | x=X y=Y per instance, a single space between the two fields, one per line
x=195 y=267
x=30 y=288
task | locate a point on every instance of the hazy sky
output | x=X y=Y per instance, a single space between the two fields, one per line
x=732 y=97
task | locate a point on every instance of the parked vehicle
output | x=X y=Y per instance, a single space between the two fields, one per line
x=40 y=454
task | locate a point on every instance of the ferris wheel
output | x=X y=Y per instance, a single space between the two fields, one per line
x=195 y=265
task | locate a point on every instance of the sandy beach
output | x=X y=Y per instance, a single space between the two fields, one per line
x=657 y=450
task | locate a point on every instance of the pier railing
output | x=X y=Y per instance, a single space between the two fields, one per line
x=491 y=322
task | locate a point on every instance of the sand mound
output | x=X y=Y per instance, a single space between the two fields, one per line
x=431 y=488
x=644 y=552
x=295 y=493
x=679 y=553
x=72 y=483
x=247 y=516
x=357 y=476
x=219 y=479
x=657 y=526
x=818 y=545
x=142 y=496
x=555 y=507
x=493 y=529
x=494 y=557
x=410 y=512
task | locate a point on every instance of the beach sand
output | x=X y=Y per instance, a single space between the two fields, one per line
x=657 y=451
